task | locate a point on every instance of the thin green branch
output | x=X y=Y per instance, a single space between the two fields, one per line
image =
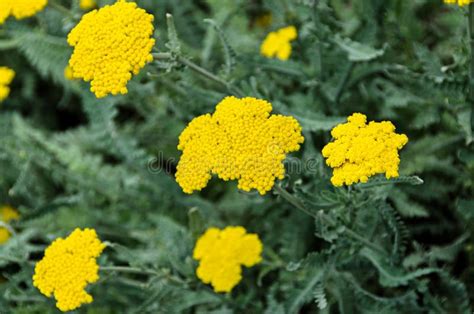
x=126 y=269
x=59 y=7
x=298 y=204
x=7 y=44
x=293 y=200
x=200 y=70
x=343 y=83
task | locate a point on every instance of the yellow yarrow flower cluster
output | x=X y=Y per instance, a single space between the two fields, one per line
x=67 y=267
x=87 y=4
x=459 y=2
x=20 y=9
x=109 y=45
x=7 y=214
x=68 y=74
x=361 y=150
x=222 y=253
x=240 y=141
x=6 y=77
x=278 y=44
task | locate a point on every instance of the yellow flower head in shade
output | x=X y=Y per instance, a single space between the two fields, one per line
x=278 y=44
x=20 y=9
x=6 y=77
x=109 y=45
x=87 y=4
x=67 y=267
x=459 y=2
x=263 y=20
x=7 y=214
x=361 y=150
x=222 y=253
x=240 y=141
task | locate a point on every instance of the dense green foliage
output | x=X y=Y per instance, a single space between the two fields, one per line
x=70 y=160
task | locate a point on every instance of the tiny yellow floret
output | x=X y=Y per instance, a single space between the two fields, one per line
x=67 y=267
x=110 y=44
x=20 y=9
x=459 y=2
x=361 y=150
x=222 y=253
x=240 y=141
x=6 y=77
x=87 y=4
x=7 y=214
x=278 y=44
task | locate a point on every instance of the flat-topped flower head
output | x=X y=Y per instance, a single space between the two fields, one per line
x=20 y=9
x=278 y=44
x=240 y=141
x=6 y=77
x=7 y=214
x=361 y=150
x=67 y=267
x=459 y=2
x=111 y=44
x=222 y=253
x=87 y=4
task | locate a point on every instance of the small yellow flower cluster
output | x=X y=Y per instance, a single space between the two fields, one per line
x=68 y=74
x=7 y=214
x=240 y=141
x=20 y=9
x=222 y=253
x=109 y=45
x=278 y=44
x=459 y=2
x=87 y=4
x=67 y=267
x=6 y=77
x=361 y=150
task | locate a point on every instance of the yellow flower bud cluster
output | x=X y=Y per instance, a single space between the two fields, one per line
x=20 y=9
x=278 y=44
x=67 y=267
x=87 y=4
x=361 y=150
x=222 y=253
x=109 y=45
x=459 y=2
x=6 y=77
x=7 y=214
x=240 y=141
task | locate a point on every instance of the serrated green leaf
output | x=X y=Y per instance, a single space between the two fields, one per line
x=356 y=51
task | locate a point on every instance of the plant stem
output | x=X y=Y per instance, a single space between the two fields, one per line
x=61 y=8
x=293 y=200
x=298 y=204
x=126 y=269
x=200 y=70
x=344 y=81
x=8 y=44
